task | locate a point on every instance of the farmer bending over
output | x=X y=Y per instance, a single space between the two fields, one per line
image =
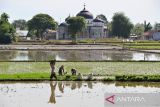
x=73 y=71
x=61 y=70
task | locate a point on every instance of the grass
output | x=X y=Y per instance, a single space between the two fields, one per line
x=69 y=42
x=108 y=71
x=101 y=40
x=34 y=77
x=143 y=45
x=97 y=68
x=45 y=76
x=154 y=78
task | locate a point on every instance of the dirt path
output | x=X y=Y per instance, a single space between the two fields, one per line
x=58 y=47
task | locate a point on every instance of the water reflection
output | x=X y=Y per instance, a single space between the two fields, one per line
x=8 y=55
x=92 y=85
x=52 y=97
x=76 y=55
x=61 y=87
x=58 y=94
x=135 y=84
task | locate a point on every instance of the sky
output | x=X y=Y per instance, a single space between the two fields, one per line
x=136 y=10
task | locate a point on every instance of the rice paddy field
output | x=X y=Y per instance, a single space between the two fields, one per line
x=147 y=46
x=97 y=68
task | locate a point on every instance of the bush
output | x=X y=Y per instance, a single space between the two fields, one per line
x=68 y=77
x=5 y=39
x=155 y=78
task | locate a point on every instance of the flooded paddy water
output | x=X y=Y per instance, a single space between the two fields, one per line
x=69 y=94
x=76 y=55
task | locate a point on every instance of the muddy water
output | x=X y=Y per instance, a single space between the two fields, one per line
x=66 y=94
x=76 y=55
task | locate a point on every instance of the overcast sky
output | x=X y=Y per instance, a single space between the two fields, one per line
x=136 y=10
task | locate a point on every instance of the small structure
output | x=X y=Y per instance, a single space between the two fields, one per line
x=50 y=34
x=63 y=31
x=148 y=35
x=133 y=37
x=152 y=34
x=156 y=35
x=22 y=34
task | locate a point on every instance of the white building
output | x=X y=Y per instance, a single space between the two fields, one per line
x=95 y=28
x=22 y=34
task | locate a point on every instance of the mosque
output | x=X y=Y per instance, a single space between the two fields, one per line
x=95 y=27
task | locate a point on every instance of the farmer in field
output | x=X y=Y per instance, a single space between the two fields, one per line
x=52 y=65
x=73 y=71
x=61 y=70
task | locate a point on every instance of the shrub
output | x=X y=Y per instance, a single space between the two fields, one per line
x=5 y=39
x=68 y=77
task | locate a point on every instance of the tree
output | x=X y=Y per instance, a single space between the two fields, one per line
x=121 y=25
x=39 y=23
x=147 y=26
x=109 y=27
x=138 y=29
x=4 y=17
x=102 y=17
x=6 y=30
x=21 y=24
x=76 y=25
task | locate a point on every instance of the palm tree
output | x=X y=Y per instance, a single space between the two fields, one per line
x=4 y=17
x=147 y=26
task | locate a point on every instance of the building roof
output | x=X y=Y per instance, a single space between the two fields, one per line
x=22 y=32
x=98 y=20
x=67 y=18
x=149 y=33
x=85 y=13
x=63 y=24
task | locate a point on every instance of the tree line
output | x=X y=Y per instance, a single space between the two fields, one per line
x=120 y=26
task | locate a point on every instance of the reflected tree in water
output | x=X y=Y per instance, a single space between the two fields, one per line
x=41 y=55
x=120 y=55
x=135 y=84
x=7 y=55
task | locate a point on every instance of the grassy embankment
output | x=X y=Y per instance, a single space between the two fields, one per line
x=139 y=44
x=69 y=42
x=107 y=71
x=144 y=45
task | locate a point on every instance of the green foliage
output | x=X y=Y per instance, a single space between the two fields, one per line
x=138 y=29
x=155 y=78
x=147 y=26
x=102 y=17
x=21 y=24
x=6 y=30
x=109 y=27
x=121 y=25
x=39 y=23
x=5 y=39
x=45 y=76
x=76 y=25
x=4 y=17
x=101 y=68
x=109 y=78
